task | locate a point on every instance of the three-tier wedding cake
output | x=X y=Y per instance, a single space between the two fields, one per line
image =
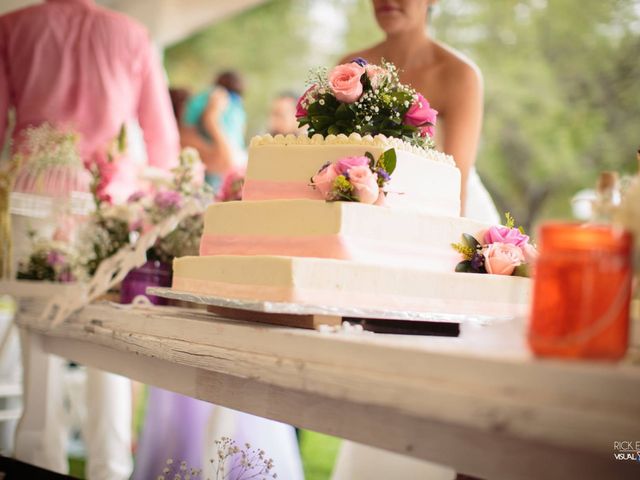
x=354 y=221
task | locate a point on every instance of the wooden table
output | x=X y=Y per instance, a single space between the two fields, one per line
x=479 y=403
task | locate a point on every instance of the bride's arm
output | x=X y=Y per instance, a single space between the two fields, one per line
x=462 y=120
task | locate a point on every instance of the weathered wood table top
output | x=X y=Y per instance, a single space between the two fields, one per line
x=479 y=403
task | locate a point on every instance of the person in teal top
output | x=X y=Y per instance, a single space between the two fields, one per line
x=217 y=116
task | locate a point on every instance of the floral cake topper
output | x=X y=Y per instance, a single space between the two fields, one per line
x=502 y=250
x=359 y=97
x=356 y=179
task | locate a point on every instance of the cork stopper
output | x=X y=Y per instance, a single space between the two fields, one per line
x=607 y=181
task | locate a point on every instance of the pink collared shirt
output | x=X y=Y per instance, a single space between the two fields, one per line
x=81 y=66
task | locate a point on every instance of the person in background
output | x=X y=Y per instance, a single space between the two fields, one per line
x=282 y=115
x=179 y=98
x=214 y=122
x=77 y=65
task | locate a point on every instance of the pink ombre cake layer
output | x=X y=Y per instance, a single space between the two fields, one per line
x=340 y=247
x=339 y=230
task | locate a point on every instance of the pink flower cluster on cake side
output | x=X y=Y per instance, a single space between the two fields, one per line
x=505 y=249
x=501 y=250
x=351 y=174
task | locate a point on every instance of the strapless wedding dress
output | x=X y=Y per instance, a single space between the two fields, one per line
x=479 y=205
x=277 y=440
x=359 y=462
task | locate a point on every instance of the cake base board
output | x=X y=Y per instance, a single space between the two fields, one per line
x=312 y=316
x=313 y=322
x=283 y=319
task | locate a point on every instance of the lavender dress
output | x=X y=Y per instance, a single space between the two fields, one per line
x=182 y=428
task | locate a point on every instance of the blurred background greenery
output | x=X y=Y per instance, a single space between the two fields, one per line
x=562 y=78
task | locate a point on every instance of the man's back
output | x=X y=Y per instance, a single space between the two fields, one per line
x=78 y=65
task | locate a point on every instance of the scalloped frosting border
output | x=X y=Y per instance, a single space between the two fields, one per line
x=353 y=139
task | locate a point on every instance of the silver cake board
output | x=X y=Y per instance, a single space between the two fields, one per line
x=312 y=316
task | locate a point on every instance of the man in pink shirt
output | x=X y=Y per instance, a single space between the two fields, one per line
x=77 y=65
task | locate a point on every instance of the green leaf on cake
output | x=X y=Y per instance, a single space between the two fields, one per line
x=343 y=112
x=315 y=109
x=366 y=82
x=388 y=160
x=372 y=160
x=334 y=130
x=343 y=125
x=391 y=132
x=320 y=122
x=408 y=130
x=464 y=267
x=521 y=271
x=470 y=241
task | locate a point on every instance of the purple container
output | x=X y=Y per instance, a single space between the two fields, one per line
x=151 y=274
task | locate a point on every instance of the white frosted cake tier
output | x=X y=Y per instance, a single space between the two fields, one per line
x=281 y=167
x=338 y=283
x=339 y=230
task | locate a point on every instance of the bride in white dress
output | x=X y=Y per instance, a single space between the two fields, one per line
x=453 y=86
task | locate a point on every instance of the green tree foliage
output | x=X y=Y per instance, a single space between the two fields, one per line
x=561 y=80
x=561 y=100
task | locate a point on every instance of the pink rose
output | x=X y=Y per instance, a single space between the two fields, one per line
x=502 y=234
x=502 y=258
x=421 y=115
x=345 y=164
x=365 y=184
x=303 y=101
x=323 y=180
x=231 y=189
x=106 y=172
x=376 y=75
x=345 y=82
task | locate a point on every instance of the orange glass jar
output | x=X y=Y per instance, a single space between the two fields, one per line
x=582 y=292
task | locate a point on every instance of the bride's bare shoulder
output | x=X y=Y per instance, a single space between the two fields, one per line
x=457 y=68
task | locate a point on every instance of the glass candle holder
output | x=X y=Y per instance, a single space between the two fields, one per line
x=582 y=292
